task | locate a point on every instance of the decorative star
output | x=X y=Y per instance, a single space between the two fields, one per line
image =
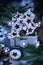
x=28 y=15
x=21 y=21
x=28 y=21
x=30 y=30
x=17 y=26
x=18 y=16
x=15 y=54
x=13 y=34
x=24 y=16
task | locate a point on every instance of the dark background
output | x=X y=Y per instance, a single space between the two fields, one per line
x=38 y=5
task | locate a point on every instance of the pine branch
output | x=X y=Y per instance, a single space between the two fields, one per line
x=35 y=55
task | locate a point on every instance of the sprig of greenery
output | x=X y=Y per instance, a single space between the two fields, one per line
x=34 y=55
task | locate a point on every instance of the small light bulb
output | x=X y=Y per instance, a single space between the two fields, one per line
x=9 y=23
x=5 y=50
x=37 y=45
x=36 y=24
x=39 y=22
x=24 y=44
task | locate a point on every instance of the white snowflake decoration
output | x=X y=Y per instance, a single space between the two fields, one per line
x=27 y=18
x=15 y=54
